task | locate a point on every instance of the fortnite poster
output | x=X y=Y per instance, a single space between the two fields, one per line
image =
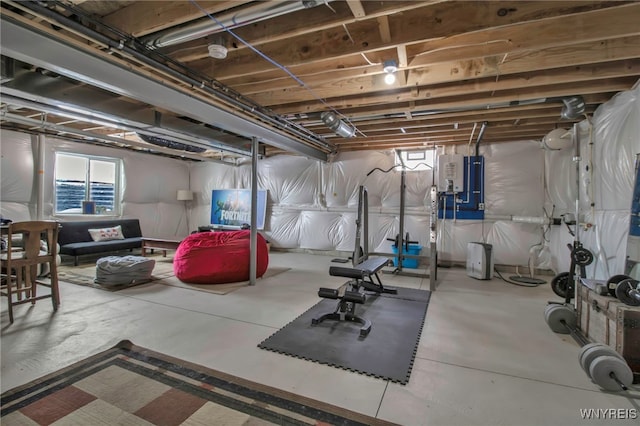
x=232 y=207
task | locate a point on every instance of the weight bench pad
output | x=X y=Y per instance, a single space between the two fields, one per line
x=361 y=270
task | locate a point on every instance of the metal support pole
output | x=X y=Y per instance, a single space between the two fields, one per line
x=365 y=223
x=253 y=256
x=403 y=175
x=577 y=159
x=40 y=178
x=433 y=233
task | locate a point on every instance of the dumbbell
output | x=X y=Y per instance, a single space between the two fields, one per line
x=628 y=292
x=612 y=283
x=604 y=366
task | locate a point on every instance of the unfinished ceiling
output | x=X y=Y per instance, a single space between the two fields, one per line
x=279 y=66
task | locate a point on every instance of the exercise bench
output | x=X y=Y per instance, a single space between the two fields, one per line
x=361 y=279
x=364 y=272
x=346 y=309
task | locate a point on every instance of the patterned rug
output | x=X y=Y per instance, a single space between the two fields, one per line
x=85 y=274
x=131 y=385
x=173 y=281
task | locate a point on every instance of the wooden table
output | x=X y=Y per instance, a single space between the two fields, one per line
x=158 y=244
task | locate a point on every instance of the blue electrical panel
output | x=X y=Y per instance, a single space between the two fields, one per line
x=468 y=204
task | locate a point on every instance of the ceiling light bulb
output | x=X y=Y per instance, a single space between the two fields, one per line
x=390 y=78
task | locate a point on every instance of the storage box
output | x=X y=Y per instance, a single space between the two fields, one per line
x=414 y=249
x=604 y=319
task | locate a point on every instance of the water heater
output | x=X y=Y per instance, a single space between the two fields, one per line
x=451 y=173
x=480 y=260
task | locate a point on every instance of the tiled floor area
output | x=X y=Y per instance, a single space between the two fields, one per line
x=486 y=356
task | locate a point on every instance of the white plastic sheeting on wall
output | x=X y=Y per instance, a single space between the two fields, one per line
x=149 y=187
x=313 y=205
x=617 y=141
x=343 y=176
x=290 y=181
x=513 y=178
x=606 y=177
x=17 y=176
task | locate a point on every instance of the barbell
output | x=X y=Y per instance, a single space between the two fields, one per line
x=602 y=364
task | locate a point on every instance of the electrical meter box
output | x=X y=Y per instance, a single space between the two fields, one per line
x=451 y=173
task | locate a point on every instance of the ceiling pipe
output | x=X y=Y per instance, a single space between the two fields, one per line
x=205 y=26
x=312 y=148
x=577 y=102
x=39 y=124
x=480 y=135
x=123 y=124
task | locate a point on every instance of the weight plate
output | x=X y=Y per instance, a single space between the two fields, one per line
x=557 y=314
x=585 y=348
x=623 y=289
x=582 y=256
x=593 y=353
x=560 y=283
x=612 y=283
x=603 y=368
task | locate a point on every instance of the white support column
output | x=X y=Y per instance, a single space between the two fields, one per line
x=253 y=256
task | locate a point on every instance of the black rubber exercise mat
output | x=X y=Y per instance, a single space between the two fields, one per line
x=387 y=352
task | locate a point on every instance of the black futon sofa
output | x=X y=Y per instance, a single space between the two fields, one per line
x=75 y=240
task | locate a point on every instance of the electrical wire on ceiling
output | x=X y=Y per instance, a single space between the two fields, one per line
x=129 y=45
x=276 y=64
x=368 y=61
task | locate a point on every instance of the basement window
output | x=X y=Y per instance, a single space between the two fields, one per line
x=421 y=159
x=86 y=184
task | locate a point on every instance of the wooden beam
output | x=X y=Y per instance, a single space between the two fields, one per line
x=144 y=17
x=422 y=25
x=594 y=25
x=403 y=60
x=383 y=27
x=356 y=8
x=296 y=24
x=367 y=91
x=536 y=60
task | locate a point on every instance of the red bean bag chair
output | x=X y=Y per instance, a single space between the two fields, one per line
x=218 y=257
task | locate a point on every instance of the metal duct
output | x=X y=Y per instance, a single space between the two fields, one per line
x=124 y=122
x=38 y=124
x=261 y=11
x=169 y=144
x=480 y=135
x=574 y=107
x=7 y=69
x=31 y=46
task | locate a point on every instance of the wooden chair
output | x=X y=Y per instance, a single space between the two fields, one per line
x=20 y=264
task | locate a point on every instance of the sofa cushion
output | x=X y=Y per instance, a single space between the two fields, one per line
x=89 y=247
x=78 y=231
x=106 y=234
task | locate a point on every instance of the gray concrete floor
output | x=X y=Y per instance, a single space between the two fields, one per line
x=486 y=356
